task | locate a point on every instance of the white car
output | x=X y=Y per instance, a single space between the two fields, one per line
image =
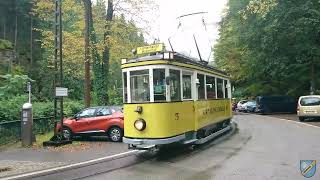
x=240 y=106
x=308 y=107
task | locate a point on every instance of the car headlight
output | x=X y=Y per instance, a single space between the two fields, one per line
x=140 y=124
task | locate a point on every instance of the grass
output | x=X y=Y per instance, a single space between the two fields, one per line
x=40 y=138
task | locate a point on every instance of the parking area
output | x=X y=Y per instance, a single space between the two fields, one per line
x=294 y=117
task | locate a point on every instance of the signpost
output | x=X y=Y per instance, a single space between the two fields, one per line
x=61 y=92
x=29 y=90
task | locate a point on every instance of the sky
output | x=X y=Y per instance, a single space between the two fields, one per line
x=166 y=25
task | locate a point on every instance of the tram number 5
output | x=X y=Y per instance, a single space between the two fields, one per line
x=177 y=116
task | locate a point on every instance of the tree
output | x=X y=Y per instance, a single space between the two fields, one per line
x=101 y=80
x=270 y=47
x=87 y=80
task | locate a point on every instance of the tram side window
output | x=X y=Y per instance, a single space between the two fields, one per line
x=125 y=92
x=220 y=88
x=211 y=89
x=201 y=90
x=226 y=89
x=139 y=86
x=186 y=85
x=159 y=85
x=175 y=87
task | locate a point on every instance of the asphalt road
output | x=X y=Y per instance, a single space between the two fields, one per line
x=262 y=148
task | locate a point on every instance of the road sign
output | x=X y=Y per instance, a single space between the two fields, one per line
x=61 y=91
x=150 y=49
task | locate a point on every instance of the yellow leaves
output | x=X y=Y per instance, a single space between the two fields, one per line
x=73 y=41
x=73 y=54
x=44 y=9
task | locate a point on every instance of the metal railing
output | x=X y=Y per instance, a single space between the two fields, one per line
x=10 y=131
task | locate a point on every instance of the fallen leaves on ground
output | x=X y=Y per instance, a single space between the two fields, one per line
x=75 y=146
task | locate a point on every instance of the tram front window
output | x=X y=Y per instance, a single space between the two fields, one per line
x=175 y=87
x=186 y=85
x=220 y=88
x=201 y=90
x=139 y=86
x=159 y=85
x=211 y=87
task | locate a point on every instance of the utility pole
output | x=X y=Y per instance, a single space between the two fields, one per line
x=58 y=57
x=56 y=49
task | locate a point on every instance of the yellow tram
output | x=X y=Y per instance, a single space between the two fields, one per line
x=172 y=98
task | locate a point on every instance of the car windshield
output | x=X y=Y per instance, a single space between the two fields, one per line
x=310 y=101
x=87 y=113
x=242 y=102
x=251 y=103
x=116 y=109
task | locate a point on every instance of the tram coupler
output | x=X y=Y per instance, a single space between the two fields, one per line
x=142 y=147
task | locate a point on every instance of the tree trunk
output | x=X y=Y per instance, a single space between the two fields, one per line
x=4 y=29
x=87 y=83
x=31 y=41
x=106 y=51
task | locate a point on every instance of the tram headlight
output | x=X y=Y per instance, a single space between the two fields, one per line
x=140 y=124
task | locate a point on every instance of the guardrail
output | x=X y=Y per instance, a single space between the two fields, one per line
x=10 y=131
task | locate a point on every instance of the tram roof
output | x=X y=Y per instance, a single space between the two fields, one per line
x=177 y=57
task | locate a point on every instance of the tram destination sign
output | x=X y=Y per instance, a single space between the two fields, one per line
x=61 y=92
x=150 y=49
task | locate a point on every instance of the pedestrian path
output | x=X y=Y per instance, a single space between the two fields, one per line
x=22 y=160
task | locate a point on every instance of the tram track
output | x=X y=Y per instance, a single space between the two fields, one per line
x=123 y=160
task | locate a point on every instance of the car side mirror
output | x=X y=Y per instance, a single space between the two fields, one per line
x=76 y=117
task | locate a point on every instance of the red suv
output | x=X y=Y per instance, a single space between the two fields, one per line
x=105 y=120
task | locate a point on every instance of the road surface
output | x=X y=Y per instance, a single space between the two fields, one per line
x=262 y=148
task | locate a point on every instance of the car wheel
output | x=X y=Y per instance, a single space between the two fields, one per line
x=115 y=134
x=67 y=133
x=301 y=119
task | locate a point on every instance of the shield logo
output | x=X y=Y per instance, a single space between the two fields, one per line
x=308 y=167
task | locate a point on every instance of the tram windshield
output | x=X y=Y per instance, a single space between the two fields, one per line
x=139 y=86
x=175 y=87
x=159 y=85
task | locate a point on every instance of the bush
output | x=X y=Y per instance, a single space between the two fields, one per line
x=42 y=109
x=12 y=85
x=10 y=109
x=72 y=107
